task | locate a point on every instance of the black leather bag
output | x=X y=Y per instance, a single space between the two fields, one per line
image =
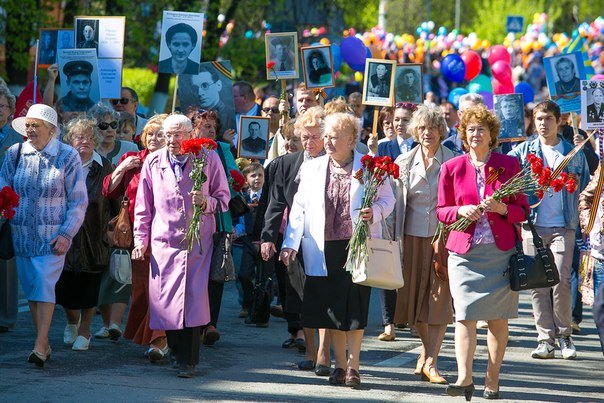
x=222 y=268
x=7 y=250
x=262 y=293
x=528 y=272
x=238 y=206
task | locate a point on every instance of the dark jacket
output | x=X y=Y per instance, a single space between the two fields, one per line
x=88 y=253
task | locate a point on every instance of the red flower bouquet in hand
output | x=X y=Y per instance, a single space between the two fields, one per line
x=236 y=180
x=373 y=174
x=533 y=178
x=9 y=200
x=199 y=149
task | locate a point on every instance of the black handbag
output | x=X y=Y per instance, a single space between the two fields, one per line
x=528 y=272
x=7 y=250
x=262 y=294
x=222 y=268
x=238 y=206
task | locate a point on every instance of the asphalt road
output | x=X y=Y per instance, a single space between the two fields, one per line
x=248 y=364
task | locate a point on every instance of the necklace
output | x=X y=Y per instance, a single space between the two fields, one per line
x=343 y=166
x=479 y=164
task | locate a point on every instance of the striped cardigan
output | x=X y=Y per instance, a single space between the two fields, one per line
x=53 y=195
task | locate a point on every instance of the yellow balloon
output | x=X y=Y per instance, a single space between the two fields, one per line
x=324 y=41
x=358 y=76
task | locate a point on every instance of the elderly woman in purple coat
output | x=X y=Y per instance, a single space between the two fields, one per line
x=178 y=284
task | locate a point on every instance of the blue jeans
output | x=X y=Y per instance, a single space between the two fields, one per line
x=598 y=274
x=577 y=302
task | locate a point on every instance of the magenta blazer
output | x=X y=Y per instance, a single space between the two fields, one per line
x=457 y=187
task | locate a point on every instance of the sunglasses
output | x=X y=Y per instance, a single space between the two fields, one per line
x=105 y=125
x=123 y=101
x=269 y=110
x=406 y=105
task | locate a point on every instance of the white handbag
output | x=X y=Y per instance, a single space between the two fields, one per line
x=120 y=267
x=382 y=268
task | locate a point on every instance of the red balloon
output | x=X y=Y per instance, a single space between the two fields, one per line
x=473 y=64
x=502 y=71
x=497 y=53
x=506 y=87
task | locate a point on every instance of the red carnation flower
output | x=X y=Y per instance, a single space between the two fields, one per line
x=270 y=65
x=571 y=186
x=539 y=194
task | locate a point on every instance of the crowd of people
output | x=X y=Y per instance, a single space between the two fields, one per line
x=74 y=171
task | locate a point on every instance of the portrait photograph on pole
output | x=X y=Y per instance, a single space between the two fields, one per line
x=510 y=111
x=408 y=85
x=317 y=66
x=180 y=48
x=210 y=89
x=47 y=51
x=253 y=139
x=79 y=77
x=592 y=104
x=282 y=50
x=378 y=85
x=563 y=74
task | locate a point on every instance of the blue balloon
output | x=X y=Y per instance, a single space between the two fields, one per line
x=336 y=54
x=526 y=90
x=480 y=83
x=455 y=94
x=453 y=68
x=357 y=67
x=249 y=34
x=353 y=50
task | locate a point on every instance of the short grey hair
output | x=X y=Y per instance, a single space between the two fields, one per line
x=99 y=111
x=177 y=119
x=345 y=123
x=5 y=92
x=429 y=116
x=472 y=97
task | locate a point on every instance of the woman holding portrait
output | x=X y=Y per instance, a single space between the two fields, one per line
x=425 y=300
x=178 y=283
x=78 y=287
x=325 y=208
x=479 y=256
x=48 y=179
x=124 y=181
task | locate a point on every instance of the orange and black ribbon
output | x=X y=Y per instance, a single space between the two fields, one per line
x=494 y=174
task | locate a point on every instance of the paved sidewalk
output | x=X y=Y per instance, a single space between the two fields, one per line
x=248 y=364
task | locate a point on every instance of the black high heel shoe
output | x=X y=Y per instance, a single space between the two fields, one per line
x=491 y=395
x=456 y=390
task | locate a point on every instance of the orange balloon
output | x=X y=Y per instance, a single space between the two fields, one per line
x=324 y=41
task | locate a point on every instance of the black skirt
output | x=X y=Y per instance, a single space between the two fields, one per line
x=78 y=290
x=335 y=302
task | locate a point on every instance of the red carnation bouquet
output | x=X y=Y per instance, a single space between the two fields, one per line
x=9 y=200
x=199 y=150
x=236 y=180
x=533 y=178
x=373 y=174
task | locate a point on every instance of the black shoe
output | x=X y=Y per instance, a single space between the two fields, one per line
x=489 y=394
x=353 y=378
x=322 y=370
x=306 y=365
x=289 y=343
x=186 y=371
x=338 y=377
x=3 y=329
x=265 y=324
x=301 y=345
x=456 y=390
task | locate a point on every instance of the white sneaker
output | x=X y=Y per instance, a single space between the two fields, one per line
x=70 y=333
x=568 y=348
x=544 y=350
x=103 y=333
x=114 y=331
x=81 y=344
x=482 y=324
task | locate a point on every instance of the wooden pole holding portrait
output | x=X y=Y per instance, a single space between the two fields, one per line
x=175 y=94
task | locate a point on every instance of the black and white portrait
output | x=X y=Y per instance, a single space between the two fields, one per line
x=592 y=104
x=378 y=88
x=564 y=73
x=210 y=89
x=79 y=72
x=180 y=49
x=510 y=111
x=408 y=84
x=47 y=54
x=87 y=32
x=317 y=66
x=65 y=39
x=253 y=141
x=282 y=50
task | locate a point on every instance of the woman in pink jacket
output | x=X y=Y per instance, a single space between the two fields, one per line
x=178 y=283
x=479 y=255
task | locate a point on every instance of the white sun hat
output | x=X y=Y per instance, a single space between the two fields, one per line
x=37 y=111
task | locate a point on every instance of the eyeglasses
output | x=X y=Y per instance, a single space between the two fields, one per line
x=406 y=105
x=105 y=125
x=206 y=86
x=2 y=106
x=269 y=110
x=123 y=101
x=82 y=139
x=32 y=125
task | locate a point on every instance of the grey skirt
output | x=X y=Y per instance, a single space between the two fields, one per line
x=479 y=285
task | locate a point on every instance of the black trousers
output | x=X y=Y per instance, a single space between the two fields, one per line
x=215 y=290
x=184 y=344
x=598 y=312
x=388 y=302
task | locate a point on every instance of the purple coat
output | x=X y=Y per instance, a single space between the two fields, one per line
x=178 y=283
